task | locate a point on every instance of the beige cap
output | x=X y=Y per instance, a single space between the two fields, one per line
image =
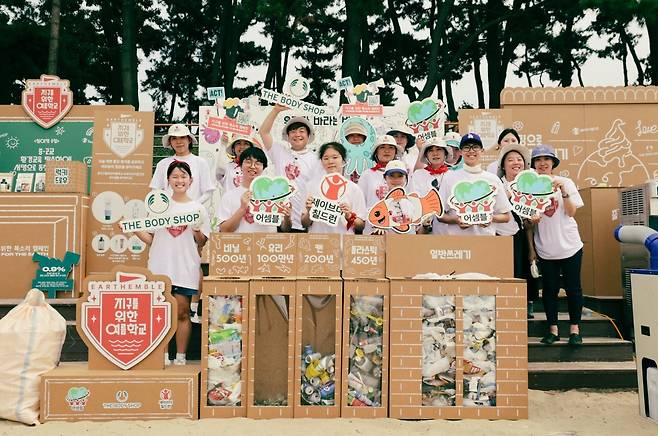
x=177 y=130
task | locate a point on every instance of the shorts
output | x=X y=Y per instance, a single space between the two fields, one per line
x=183 y=291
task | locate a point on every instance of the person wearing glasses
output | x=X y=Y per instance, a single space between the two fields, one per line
x=471 y=151
x=233 y=213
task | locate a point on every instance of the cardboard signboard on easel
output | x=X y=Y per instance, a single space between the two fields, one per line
x=123 y=158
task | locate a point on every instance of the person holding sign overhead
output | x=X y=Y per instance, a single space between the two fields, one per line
x=174 y=251
x=474 y=198
x=334 y=195
x=297 y=163
x=234 y=214
x=559 y=248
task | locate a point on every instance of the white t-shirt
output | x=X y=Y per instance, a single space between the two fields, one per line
x=511 y=227
x=493 y=167
x=374 y=189
x=174 y=252
x=354 y=197
x=409 y=157
x=202 y=181
x=502 y=203
x=556 y=235
x=299 y=167
x=232 y=177
x=231 y=203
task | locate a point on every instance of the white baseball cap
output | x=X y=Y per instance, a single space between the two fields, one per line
x=396 y=166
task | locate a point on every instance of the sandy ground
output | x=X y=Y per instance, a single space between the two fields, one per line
x=551 y=413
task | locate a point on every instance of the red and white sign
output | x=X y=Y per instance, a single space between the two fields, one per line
x=326 y=208
x=226 y=124
x=126 y=319
x=362 y=110
x=47 y=100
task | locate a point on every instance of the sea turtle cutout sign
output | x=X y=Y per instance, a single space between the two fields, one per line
x=531 y=193
x=267 y=196
x=474 y=201
x=402 y=213
x=326 y=207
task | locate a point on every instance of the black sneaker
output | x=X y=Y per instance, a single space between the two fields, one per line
x=575 y=340
x=550 y=338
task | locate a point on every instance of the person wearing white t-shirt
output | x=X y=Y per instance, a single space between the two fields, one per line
x=471 y=149
x=174 y=251
x=506 y=137
x=372 y=182
x=407 y=141
x=559 y=248
x=180 y=140
x=513 y=159
x=434 y=154
x=352 y=204
x=296 y=162
x=233 y=213
x=229 y=174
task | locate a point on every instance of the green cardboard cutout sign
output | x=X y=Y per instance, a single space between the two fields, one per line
x=52 y=274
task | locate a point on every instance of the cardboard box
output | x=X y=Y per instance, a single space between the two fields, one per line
x=318 y=339
x=230 y=254
x=364 y=256
x=50 y=224
x=275 y=254
x=597 y=220
x=358 y=294
x=271 y=355
x=68 y=176
x=225 y=303
x=409 y=255
x=454 y=383
x=318 y=255
x=71 y=392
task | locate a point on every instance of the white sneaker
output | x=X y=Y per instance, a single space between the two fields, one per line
x=195 y=319
x=180 y=361
x=167 y=361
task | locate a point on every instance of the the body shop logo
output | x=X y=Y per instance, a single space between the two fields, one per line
x=122 y=402
x=47 y=100
x=125 y=319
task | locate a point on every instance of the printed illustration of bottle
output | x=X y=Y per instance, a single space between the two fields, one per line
x=136 y=246
x=4 y=186
x=101 y=244
x=121 y=241
x=108 y=209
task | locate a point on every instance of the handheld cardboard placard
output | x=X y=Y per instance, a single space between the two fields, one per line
x=296 y=91
x=326 y=207
x=426 y=118
x=234 y=119
x=126 y=318
x=531 y=193
x=474 y=201
x=52 y=274
x=267 y=197
x=363 y=98
x=157 y=203
x=402 y=212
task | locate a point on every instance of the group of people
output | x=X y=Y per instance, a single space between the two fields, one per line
x=550 y=240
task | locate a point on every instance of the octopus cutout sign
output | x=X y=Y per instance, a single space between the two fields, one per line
x=326 y=207
x=531 y=193
x=267 y=196
x=474 y=201
x=358 y=155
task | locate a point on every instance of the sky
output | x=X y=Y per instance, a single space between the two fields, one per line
x=595 y=71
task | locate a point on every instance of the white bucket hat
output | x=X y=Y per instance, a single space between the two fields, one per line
x=298 y=119
x=522 y=150
x=436 y=142
x=177 y=130
x=236 y=138
x=386 y=140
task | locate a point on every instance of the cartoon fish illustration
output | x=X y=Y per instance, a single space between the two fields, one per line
x=399 y=211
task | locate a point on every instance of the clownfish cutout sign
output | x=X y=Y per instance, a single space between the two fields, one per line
x=402 y=212
x=326 y=207
x=474 y=201
x=531 y=193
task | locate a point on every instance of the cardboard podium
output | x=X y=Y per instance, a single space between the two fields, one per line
x=126 y=319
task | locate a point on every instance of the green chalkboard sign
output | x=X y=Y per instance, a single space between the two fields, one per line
x=25 y=147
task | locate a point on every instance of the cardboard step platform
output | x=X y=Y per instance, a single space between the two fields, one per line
x=593 y=349
x=72 y=392
x=580 y=375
